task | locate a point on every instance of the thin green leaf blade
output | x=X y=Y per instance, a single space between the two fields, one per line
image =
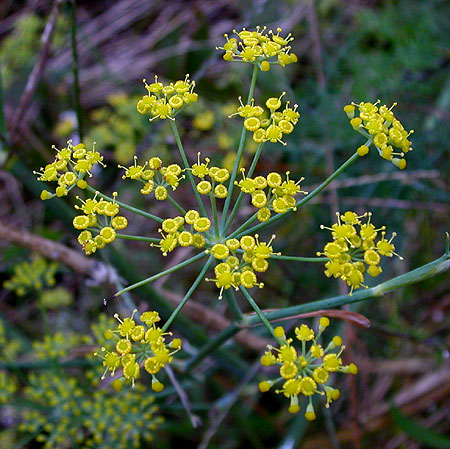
x=418 y=432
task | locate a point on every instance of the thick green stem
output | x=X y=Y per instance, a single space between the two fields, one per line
x=240 y=150
x=176 y=205
x=239 y=232
x=188 y=294
x=75 y=64
x=241 y=194
x=187 y=166
x=300 y=259
x=125 y=206
x=212 y=345
x=412 y=277
x=260 y=314
x=233 y=305
x=161 y=274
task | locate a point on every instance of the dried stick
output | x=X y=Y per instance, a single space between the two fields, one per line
x=52 y=250
x=37 y=72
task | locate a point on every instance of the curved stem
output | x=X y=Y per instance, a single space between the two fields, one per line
x=125 y=206
x=187 y=166
x=161 y=274
x=240 y=150
x=188 y=294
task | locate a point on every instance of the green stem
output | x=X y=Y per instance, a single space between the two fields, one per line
x=75 y=63
x=176 y=204
x=233 y=305
x=412 y=277
x=240 y=150
x=214 y=209
x=260 y=314
x=300 y=259
x=161 y=274
x=212 y=345
x=46 y=364
x=3 y=144
x=243 y=227
x=125 y=206
x=187 y=166
x=241 y=194
x=138 y=238
x=238 y=233
x=188 y=294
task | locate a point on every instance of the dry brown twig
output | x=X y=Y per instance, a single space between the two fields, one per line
x=37 y=72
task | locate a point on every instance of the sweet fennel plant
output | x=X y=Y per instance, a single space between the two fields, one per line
x=235 y=255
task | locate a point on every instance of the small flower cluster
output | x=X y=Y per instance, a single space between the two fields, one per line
x=385 y=130
x=235 y=272
x=139 y=344
x=268 y=129
x=69 y=169
x=102 y=215
x=8 y=387
x=306 y=374
x=271 y=193
x=62 y=395
x=217 y=175
x=175 y=232
x=57 y=345
x=122 y=420
x=55 y=298
x=165 y=101
x=354 y=250
x=156 y=177
x=34 y=275
x=66 y=417
x=8 y=351
x=260 y=46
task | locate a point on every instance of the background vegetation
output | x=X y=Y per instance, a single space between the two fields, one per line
x=357 y=50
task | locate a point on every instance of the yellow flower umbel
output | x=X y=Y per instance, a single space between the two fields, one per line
x=155 y=177
x=69 y=169
x=306 y=372
x=262 y=47
x=270 y=129
x=67 y=416
x=271 y=193
x=139 y=344
x=383 y=129
x=34 y=275
x=183 y=231
x=356 y=249
x=101 y=217
x=233 y=271
x=165 y=101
